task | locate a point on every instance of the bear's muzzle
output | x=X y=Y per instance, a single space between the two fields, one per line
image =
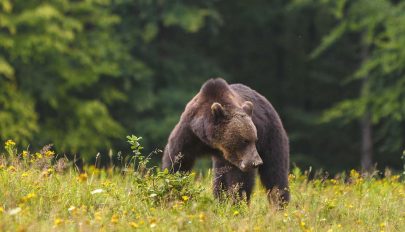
x=252 y=161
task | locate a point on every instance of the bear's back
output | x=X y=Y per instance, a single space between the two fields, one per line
x=264 y=115
x=261 y=104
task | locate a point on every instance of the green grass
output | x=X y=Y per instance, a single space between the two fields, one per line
x=38 y=195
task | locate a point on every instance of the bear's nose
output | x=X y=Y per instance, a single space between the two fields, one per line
x=257 y=163
x=253 y=161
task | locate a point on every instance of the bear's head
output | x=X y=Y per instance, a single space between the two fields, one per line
x=235 y=135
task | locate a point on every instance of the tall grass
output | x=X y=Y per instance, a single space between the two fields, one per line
x=39 y=194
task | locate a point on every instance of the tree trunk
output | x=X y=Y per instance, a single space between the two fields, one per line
x=366 y=143
x=366 y=160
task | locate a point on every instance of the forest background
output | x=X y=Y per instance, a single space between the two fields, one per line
x=83 y=74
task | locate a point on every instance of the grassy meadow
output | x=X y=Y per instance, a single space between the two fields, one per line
x=38 y=193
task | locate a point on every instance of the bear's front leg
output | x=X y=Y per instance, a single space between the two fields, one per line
x=274 y=176
x=231 y=181
x=182 y=149
x=220 y=167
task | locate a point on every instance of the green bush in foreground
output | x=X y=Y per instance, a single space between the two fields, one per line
x=38 y=193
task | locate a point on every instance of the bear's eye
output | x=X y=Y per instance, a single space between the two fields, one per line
x=245 y=141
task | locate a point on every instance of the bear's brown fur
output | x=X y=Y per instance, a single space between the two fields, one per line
x=241 y=130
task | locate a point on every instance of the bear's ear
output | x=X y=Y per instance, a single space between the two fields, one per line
x=247 y=106
x=217 y=111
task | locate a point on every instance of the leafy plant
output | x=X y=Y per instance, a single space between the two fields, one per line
x=135 y=145
x=155 y=185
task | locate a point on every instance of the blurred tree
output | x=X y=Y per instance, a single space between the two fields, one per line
x=82 y=74
x=381 y=29
x=55 y=52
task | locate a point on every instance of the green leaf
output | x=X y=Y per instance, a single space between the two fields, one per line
x=6 y=69
x=329 y=40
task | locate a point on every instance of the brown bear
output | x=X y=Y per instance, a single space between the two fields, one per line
x=241 y=130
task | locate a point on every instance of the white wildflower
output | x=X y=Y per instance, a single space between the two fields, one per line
x=153 y=195
x=97 y=191
x=14 y=211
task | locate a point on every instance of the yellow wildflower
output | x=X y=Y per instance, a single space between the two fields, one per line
x=330 y=204
x=1 y=210
x=185 y=198
x=49 y=153
x=354 y=174
x=28 y=197
x=25 y=154
x=256 y=228
x=9 y=143
x=395 y=178
x=38 y=155
x=178 y=205
x=401 y=193
x=235 y=213
x=152 y=223
x=106 y=183
x=97 y=216
x=58 y=221
x=133 y=224
x=114 y=219
x=201 y=216
x=82 y=177
x=31 y=195
x=304 y=227
x=12 y=169
x=47 y=172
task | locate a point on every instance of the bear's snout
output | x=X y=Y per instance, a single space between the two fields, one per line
x=250 y=163
x=257 y=163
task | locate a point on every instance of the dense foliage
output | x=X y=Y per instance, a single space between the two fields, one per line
x=82 y=74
